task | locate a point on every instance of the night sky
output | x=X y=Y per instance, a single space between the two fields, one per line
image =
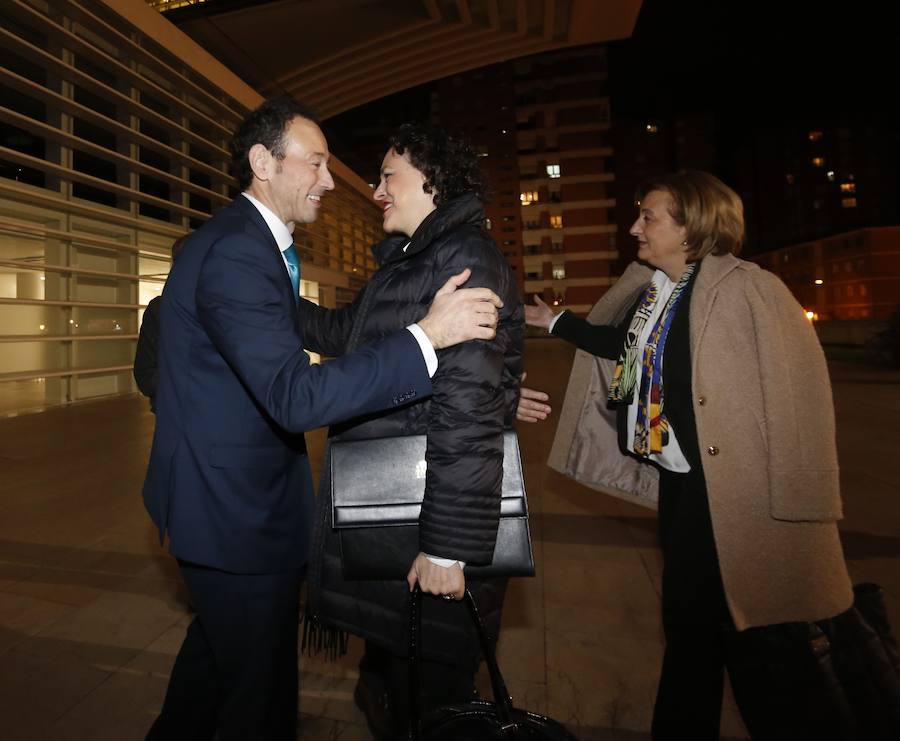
x=763 y=59
x=763 y=74
x=749 y=63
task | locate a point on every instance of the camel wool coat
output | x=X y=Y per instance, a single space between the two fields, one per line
x=765 y=426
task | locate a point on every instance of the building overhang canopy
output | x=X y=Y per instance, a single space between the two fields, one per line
x=338 y=54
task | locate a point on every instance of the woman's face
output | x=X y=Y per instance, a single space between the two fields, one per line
x=660 y=238
x=405 y=204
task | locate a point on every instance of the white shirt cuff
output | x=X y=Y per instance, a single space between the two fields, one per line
x=553 y=322
x=445 y=562
x=431 y=361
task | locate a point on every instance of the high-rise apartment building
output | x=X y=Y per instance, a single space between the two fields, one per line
x=815 y=177
x=850 y=276
x=542 y=124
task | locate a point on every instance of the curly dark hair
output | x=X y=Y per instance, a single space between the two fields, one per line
x=266 y=126
x=447 y=161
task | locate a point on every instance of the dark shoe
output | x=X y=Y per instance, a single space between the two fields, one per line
x=376 y=706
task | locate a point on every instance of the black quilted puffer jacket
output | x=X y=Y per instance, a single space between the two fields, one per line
x=475 y=392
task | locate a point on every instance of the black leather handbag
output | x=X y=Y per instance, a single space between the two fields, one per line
x=377 y=487
x=859 y=667
x=474 y=720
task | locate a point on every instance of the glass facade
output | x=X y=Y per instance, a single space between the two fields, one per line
x=112 y=145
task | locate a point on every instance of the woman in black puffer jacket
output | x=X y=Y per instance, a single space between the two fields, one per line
x=432 y=193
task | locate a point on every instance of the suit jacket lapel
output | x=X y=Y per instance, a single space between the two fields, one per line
x=260 y=229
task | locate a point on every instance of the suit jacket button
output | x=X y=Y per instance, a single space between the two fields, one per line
x=712 y=450
x=701 y=400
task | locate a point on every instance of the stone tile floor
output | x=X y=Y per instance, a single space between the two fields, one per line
x=92 y=611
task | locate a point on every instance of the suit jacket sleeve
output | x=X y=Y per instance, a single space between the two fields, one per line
x=461 y=509
x=604 y=341
x=246 y=311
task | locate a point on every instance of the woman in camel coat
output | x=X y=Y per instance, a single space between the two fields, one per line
x=726 y=423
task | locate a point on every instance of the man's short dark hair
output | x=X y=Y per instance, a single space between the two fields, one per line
x=266 y=125
x=447 y=160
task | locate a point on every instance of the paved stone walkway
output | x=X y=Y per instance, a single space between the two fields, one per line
x=92 y=611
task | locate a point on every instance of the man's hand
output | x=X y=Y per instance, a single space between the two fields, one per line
x=457 y=315
x=531 y=408
x=538 y=315
x=438 y=580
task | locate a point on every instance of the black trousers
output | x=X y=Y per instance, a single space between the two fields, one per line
x=236 y=672
x=770 y=668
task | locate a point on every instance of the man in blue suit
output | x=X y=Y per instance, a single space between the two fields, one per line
x=228 y=478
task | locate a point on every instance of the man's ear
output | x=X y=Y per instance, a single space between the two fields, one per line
x=260 y=160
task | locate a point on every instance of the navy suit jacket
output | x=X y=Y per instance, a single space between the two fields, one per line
x=228 y=478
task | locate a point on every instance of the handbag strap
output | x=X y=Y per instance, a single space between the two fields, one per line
x=502 y=700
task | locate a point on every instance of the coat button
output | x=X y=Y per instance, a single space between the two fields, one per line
x=701 y=400
x=712 y=450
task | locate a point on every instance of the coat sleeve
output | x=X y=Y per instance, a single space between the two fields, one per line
x=461 y=509
x=602 y=340
x=327 y=331
x=798 y=406
x=242 y=306
x=146 y=367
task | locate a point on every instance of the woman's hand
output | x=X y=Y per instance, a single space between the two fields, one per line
x=441 y=581
x=538 y=315
x=531 y=408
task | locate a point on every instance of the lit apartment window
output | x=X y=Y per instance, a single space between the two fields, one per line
x=818 y=161
x=815 y=136
x=553 y=171
x=528 y=196
x=848 y=187
x=488 y=224
x=556 y=221
x=559 y=272
x=848 y=202
x=830 y=175
x=651 y=128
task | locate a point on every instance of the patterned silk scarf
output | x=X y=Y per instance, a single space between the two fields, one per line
x=651 y=430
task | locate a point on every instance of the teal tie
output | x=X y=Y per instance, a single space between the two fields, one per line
x=293 y=266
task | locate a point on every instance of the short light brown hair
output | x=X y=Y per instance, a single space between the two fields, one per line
x=710 y=211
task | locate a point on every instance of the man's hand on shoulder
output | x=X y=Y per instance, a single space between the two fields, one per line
x=460 y=314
